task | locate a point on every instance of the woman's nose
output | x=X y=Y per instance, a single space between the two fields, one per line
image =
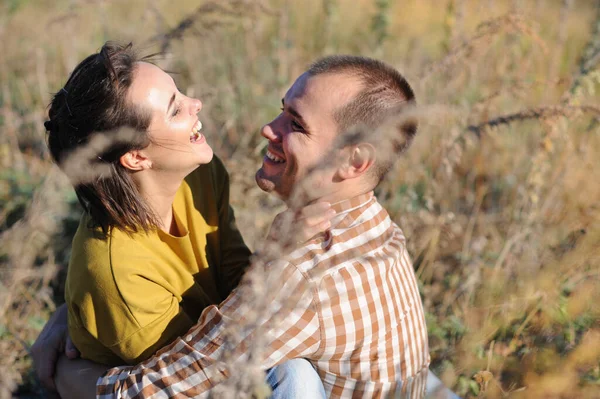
x=196 y=106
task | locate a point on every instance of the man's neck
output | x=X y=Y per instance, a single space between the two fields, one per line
x=339 y=196
x=340 y=193
x=158 y=189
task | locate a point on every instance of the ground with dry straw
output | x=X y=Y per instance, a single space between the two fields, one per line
x=499 y=195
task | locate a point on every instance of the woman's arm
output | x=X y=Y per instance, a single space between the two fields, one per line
x=126 y=324
x=77 y=378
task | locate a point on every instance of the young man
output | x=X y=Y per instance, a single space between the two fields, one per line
x=355 y=312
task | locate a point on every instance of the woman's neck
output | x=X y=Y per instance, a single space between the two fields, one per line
x=158 y=190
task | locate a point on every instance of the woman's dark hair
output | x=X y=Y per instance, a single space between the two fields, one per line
x=94 y=102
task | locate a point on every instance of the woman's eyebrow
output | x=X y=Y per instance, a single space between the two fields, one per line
x=171 y=101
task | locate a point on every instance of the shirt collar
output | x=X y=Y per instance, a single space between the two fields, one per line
x=344 y=209
x=347 y=211
x=352 y=203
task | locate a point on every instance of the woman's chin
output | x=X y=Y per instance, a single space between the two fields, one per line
x=206 y=155
x=189 y=164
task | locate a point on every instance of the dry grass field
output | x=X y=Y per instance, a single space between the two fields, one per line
x=499 y=196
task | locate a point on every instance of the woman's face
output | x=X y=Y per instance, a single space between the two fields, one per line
x=176 y=142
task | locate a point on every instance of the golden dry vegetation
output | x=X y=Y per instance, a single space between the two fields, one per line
x=499 y=195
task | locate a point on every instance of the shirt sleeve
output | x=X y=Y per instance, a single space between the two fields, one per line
x=235 y=254
x=283 y=321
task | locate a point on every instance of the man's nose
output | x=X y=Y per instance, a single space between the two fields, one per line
x=270 y=134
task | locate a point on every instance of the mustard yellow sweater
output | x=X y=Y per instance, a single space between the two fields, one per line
x=130 y=295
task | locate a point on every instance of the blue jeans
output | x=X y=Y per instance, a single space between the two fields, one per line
x=295 y=378
x=436 y=390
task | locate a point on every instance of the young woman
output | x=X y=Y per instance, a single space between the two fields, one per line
x=158 y=241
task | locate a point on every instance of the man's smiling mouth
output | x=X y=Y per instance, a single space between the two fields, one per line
x=274 y=157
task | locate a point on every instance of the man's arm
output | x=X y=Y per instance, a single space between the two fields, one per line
x=286 y=324
x=289 y=229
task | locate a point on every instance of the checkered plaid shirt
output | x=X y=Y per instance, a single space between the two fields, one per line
x=356 y=315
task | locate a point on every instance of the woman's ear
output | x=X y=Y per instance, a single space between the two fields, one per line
x=360 y=159
x=135 y=160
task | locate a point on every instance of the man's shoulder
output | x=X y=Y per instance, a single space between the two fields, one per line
x=358 y=247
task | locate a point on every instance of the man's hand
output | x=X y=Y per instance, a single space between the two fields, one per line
x=51 y=343
x=292 y=228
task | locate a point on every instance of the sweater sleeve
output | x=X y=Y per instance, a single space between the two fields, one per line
x=130 y=318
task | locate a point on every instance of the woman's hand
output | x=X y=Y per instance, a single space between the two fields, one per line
x=77 y=378
x=292 y=228
x=50 y=344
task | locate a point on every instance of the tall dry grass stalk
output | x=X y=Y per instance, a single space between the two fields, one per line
x=503 y=225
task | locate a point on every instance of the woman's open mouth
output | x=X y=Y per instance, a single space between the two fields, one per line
x=196 y=136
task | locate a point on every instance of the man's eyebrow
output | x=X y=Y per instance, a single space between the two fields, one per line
x=171 y=101
x=294 y=113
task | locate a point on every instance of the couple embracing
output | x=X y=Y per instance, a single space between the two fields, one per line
x=159 y=271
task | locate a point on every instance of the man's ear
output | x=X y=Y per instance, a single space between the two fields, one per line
x=360 y=159
x=135 y=160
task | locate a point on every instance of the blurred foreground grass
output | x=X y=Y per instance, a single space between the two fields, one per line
x=499 y=195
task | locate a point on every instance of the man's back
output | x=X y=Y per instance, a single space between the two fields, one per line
x=373 y=339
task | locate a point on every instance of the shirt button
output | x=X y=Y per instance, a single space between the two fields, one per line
x=188 y=337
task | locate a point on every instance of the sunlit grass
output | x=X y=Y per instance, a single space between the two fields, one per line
x=504 y=227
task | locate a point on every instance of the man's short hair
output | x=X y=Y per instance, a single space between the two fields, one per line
x=385 y=94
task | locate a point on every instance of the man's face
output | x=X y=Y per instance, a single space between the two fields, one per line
x=304 y=132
